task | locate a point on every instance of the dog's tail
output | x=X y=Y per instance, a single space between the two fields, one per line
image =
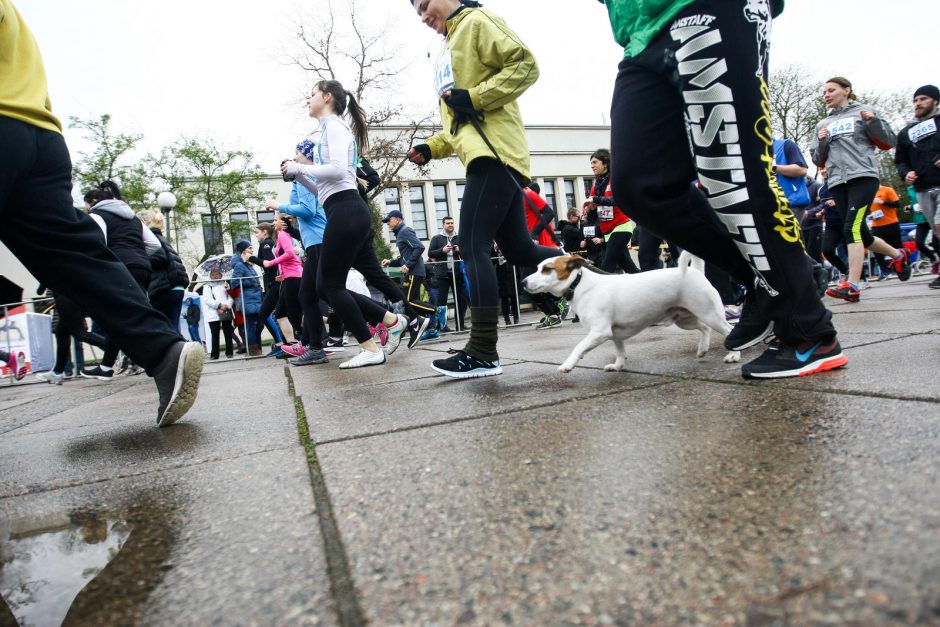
x=688 y=260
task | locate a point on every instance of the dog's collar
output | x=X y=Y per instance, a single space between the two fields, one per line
x=569 y=294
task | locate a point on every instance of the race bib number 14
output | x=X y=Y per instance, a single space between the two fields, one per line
x=444 y=73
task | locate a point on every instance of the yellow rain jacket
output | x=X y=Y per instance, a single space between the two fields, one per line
x=490 y=61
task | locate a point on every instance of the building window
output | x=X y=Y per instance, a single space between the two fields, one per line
x=441 y=208
x=212 y=234
x=548 y=192
x=419 y=219
x=588 y=184
x=392 y=201
x=570 y=200
x=265 y=216
x=461 y=185
x=239 y=226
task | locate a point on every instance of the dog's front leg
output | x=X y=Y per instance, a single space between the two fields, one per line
x=618 y=364
x=703 y=341
x=592 y=341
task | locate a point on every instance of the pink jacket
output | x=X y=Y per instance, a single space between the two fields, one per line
x=285 y=257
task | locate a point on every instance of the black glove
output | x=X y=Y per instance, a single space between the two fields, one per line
x=424 y=150
x=459 y=101
x=255 y=261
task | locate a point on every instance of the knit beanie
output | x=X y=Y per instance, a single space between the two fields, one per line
x=930 y=91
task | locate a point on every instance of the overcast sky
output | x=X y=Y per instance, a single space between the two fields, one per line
x=211 y=67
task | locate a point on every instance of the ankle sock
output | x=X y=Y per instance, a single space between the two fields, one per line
x=105 y=368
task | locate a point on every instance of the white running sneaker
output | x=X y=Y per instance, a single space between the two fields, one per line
x=50 y=377
x=364 y=358
x=394 y=334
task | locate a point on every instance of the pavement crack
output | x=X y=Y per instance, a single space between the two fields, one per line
x=348 y=610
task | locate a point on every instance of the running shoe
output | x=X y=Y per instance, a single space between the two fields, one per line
x=135 y=370
x=935 y=284
x=294 y=350
x=365 y=358
x=379 y=334
x=563 y=308
x=935 y=268
x=902 y=265
x=177 y=378
x=123 y=363
x=845 y=291
x=50 y=377
x=430 y=334
x=394 y=334
x=462 y=365
x=732 y=313
x=416 y=327
x=751 y=329
x=785 y=360
x=98 y=373
x=548 y=322
x=311 y=356
x=17 y=366
x=335 y=345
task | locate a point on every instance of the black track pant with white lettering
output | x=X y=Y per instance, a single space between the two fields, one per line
x=709 y=67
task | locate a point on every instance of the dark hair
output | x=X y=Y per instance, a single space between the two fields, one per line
x=535 y=187
x=343 y=100
x=602 y=155
x=106 y=190
x=844 y=83
x=446 y=218
x=267 y=227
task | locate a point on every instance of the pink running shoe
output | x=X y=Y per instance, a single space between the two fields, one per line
x=294 y=350
x=17 y=365
x=380 y=333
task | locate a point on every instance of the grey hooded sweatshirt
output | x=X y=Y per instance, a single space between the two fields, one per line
x=849 y=150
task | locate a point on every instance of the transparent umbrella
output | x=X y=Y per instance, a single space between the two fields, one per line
x=222 y=263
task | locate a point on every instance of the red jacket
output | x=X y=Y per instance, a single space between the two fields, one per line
x=533 y=215
x=609 y=216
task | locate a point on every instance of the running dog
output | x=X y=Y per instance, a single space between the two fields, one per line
x=617 y=307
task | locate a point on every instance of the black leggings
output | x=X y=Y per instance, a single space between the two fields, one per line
x=310 y=299
x=492 y=209
x=268 y=305
x=226 y=327
x=348 y=243
x=618 y=253
x=930 y=252
x=853 y=199
x=288 y=303
x=891 y=234
x=714 y=102
x=832 y=237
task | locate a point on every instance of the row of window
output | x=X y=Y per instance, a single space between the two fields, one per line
x=242 y=224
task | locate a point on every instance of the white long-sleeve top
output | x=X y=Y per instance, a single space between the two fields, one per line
x=335 y=166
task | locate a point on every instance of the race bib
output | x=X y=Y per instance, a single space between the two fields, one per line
x=589 y=231
x=444 y=72
x=922 y=130
x=605 y=214
x=877 y=214
x=845 y=126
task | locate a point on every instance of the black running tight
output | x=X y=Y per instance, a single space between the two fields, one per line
x=492 y=209
x=347 y=243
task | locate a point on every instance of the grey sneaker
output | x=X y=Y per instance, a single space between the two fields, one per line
x=311 y=356
x=177 y=378
x=394 y=334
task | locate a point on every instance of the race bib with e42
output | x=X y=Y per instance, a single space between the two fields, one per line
x=845 y=126
x=922 y=130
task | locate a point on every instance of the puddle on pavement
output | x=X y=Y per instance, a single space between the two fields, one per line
x=83 y=567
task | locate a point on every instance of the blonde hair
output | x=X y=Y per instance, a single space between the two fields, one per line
x=152 y=219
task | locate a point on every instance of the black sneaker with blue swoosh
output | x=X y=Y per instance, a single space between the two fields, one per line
x=787 y=360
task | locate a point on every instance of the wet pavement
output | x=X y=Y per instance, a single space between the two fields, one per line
x=672 y=493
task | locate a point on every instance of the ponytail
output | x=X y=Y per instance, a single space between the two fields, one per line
x=106 y=190
x=342 y=100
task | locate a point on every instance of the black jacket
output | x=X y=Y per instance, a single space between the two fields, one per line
x=436 y=253
x=167 y=269
x=921 y=156
x=571 y=236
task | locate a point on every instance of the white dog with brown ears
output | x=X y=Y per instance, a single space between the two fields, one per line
x=618 y=306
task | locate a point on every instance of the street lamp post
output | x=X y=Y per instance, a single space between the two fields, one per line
x=167 y=202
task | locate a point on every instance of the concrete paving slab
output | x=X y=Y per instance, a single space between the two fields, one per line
x=688 y=503
x=214 y=543
x=89 y=437
x=339 y=413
